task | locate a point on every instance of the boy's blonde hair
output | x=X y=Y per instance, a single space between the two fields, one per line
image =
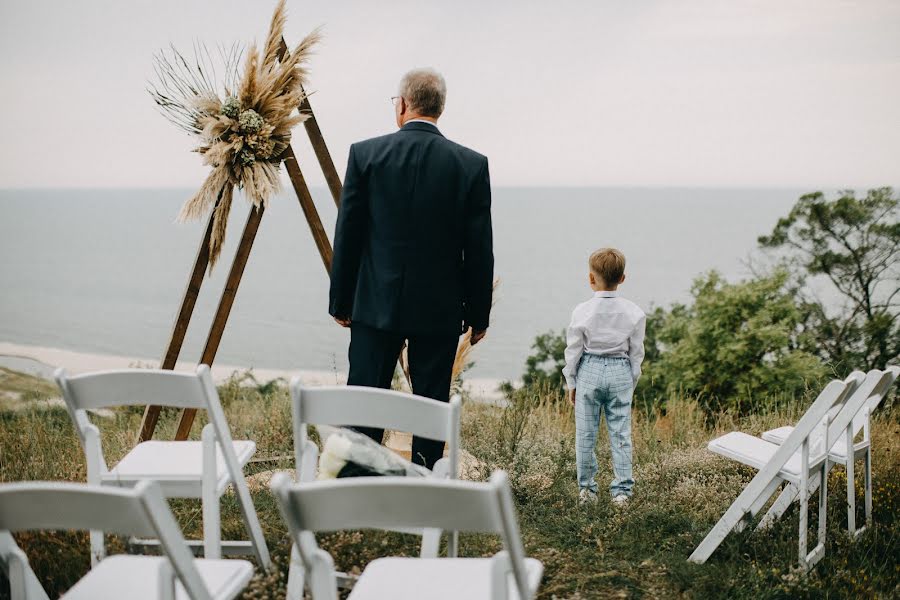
x=608 y=264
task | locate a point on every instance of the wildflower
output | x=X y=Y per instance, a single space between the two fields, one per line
x=250 y=121
x=231 y=107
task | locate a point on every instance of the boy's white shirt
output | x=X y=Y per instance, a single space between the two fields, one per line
x=608 y=325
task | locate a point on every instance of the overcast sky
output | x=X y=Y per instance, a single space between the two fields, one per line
x=640 y=93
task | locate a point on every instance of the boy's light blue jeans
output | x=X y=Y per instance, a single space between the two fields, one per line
x=604 y=383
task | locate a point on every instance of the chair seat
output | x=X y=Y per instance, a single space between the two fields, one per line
x=177 y=466
x=435 y=579
x=137 y=578
x=754 y=452
x=778 y=436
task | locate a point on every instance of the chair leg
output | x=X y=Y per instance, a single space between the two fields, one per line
x=296 y=576
x=785 y=499
x=166 y=578
x=500 y=569
x=851 y=496
x=823 y=502
x=868 y=467
x=718 y=533
x=779 y=507
x=453 y=544
x=431 y=542
x=98 y=548
x=758 y=503
x=212 y=525
x=95 y=466
x=804 y=504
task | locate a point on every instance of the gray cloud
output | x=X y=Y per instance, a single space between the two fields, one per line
x=569 y=93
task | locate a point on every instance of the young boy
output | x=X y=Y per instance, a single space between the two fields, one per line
x=604 y=351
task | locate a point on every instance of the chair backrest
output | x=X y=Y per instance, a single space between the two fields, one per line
x=854 y=381
x=140 y=511
x=876 y=397
x=375 y=407
x=23 y=583
x=835 y=393
x=856 y=387
x=128 y=387
x=401 y=502
x=876 y=383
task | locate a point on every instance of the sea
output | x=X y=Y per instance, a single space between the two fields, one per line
x=104 y=270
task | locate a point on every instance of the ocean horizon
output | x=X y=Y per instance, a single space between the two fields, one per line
x=103 y=270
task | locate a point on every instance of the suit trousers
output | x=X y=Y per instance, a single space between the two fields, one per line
x=373 y=358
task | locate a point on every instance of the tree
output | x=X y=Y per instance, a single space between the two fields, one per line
x=734 y=348
x=544 y=366
x=855 y=244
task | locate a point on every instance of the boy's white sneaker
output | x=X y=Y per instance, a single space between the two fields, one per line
x=587 y=496
x=620 y=500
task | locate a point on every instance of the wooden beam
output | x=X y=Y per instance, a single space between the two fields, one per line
x=309 y=208
x=318 y=142
x=322 y=155
x=224 y=309
x=182 y=320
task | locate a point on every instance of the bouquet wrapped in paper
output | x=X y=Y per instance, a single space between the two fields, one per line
x=348 y=453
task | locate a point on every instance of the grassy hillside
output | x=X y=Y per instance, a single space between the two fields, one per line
x=595 y=552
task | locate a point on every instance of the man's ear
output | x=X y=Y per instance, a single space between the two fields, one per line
x=621 y=281
x=403 y=106
x=591 y=278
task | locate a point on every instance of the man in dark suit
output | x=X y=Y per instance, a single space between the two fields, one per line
x=413 y=250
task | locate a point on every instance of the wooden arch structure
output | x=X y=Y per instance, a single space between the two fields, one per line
x=192 y=291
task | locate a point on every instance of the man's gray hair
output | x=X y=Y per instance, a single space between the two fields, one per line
x=425 y=91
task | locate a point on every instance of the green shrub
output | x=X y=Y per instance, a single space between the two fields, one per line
x=735 y=348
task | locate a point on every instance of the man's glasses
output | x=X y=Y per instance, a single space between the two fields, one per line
x=394 y=99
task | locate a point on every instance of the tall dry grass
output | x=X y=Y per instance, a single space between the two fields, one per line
x=588 y=552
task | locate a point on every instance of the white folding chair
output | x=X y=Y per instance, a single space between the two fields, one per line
x=777 y=465
x=184 y=469
x=23 y=583
x=838 y=454
x=140 y=511
x=372 y=407
x=392 y=502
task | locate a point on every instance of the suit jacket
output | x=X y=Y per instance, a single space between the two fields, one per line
x=413 y=248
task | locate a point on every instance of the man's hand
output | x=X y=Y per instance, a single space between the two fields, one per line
x=342 y=321
x=477 y=336
x=572 y=397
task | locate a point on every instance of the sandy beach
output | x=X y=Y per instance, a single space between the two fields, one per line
x=42 y=361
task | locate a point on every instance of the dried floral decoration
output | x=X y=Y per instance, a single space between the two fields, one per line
x=242 y=133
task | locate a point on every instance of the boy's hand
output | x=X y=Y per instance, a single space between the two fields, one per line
x=572 y=397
